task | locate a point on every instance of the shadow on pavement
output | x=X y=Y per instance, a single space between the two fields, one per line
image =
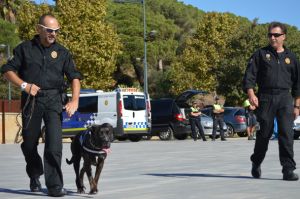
x=43 y=193
x=186 y=175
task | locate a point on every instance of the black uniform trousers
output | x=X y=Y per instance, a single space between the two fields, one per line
x=281 y=107
x=198 y=123
x=51 y=112
x=218 y=120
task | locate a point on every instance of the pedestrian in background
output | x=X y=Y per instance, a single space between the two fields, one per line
x=250 y=119
x=276 y=70
x=218 y=114
x=196 y=120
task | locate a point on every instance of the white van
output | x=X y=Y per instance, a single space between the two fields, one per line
x=127 y=110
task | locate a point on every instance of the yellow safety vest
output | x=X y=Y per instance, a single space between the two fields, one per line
x=218 y=106
x=246 y=103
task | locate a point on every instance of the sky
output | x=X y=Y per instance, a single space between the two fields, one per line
x=285 y=11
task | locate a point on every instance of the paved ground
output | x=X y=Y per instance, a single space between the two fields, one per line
x=164 y=169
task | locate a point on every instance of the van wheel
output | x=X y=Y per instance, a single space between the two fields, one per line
x=112 y=137
x=147 y=137
x=43 y=134
x=134 y=138
x=121 y=138
x=166 y=135
x=181 y=136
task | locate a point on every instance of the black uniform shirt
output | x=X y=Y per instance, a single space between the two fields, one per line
x=46 y=70
x=271 y=72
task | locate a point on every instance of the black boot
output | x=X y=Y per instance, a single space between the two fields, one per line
x=290 y=175
x=256 y=171
x=56 y=191
x=35 y=185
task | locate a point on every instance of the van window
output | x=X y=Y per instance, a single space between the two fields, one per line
x=88 y=104
x=134 y=102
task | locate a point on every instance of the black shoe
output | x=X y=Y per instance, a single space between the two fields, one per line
x=290 y=176
x=204 y=139
x=35 y=185
x=223 y=139
x=213 y=139
x=195 y=139
x=57 y=191
x=251 y=137
x=256 y=171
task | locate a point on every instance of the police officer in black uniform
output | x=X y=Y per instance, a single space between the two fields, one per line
x=41 y=64
x=196 y=120
x=275 y=69
x=218 y=114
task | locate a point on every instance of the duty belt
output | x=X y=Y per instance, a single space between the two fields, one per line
x=44 y=93
x=272 y=91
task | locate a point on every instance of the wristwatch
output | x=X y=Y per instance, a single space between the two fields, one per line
x=298 y=107
x=23 y=86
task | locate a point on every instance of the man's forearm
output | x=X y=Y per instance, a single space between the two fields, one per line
x=13 y=78
x=297 y=101
x=75 y=89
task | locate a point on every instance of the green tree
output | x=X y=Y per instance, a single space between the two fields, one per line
x=9 y=9
x=8 y=36
x=203 y=53
x=93 y=44
x=128 y=22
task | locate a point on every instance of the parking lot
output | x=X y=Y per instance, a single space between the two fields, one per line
x=164 y=169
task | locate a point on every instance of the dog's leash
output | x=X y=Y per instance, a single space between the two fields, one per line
x=32 y=108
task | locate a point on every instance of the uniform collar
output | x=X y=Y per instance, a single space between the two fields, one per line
x=36 y=39
x=272 y=49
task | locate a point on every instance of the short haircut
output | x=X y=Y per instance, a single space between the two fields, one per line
x=42 y=19
x=276 y=24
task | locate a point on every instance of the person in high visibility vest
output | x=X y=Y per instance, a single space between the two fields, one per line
x=217 y=115
x=196 y=120
x=250 y=119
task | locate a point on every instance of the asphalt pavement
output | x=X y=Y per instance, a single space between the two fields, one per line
x=164 y=169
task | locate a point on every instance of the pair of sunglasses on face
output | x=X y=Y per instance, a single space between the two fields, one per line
x=50 y=30
x=274 y=34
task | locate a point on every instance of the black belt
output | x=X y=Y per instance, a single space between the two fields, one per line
x=272 y=91
x=44 y=93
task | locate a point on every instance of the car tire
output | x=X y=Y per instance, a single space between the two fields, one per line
x=43 y=134
x=134 y=138
x=230 y=131
x=296 y=137
x=242 y=134
x=181 y=136
x=198 y=133
x=146 y=137
x=166 y=135
x=122 y=138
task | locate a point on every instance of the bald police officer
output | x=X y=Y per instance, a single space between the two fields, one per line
x=275 y=69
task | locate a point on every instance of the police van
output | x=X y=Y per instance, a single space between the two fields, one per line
x=127 y=110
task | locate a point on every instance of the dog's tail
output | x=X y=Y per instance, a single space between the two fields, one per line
x=70 y=162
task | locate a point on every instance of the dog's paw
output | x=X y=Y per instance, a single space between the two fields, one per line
x=80 y=191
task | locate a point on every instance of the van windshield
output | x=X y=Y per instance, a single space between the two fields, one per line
x=134 y=102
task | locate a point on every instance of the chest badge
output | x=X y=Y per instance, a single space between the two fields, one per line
x=268 y=56
x=106 y=102
x=54 y=54
x=287 y=60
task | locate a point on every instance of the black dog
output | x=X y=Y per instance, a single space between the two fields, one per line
x=93 y=145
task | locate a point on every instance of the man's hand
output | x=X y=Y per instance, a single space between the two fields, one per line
x=34 y=89
x=296 y=113
x=252 y=97
x=71 y=107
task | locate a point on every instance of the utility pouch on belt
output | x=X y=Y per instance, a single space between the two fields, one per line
x=63 y=93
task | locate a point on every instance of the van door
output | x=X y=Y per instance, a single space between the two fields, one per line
x=135 y=114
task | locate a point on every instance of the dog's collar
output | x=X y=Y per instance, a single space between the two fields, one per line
x=92 y=151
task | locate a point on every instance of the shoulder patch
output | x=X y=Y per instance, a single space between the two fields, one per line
x=251 y=60
x=11 y=57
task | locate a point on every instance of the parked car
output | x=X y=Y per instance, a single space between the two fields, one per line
x=235 y=119
x=207 y=124
x=167 y=116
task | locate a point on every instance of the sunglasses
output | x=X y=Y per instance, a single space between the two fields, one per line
x=274 y=34
x=50 y=30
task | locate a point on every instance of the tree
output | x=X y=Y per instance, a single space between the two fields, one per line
x=93 y=44
x=9 y=9
x=8 y=36
x=128 y=22
x=203 y=53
